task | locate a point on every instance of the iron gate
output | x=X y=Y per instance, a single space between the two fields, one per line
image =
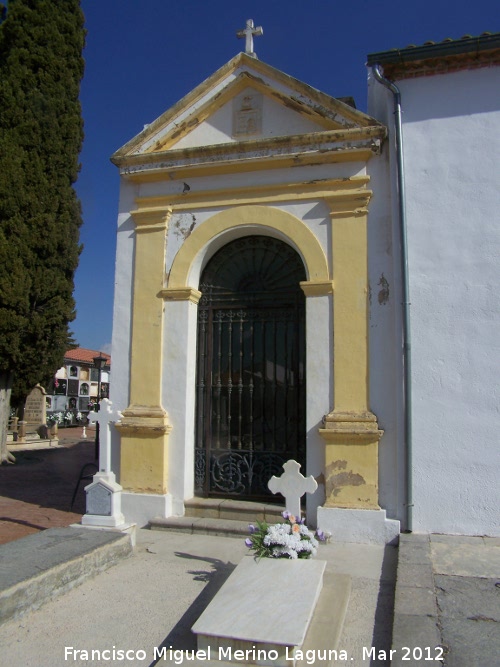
x=251 y=367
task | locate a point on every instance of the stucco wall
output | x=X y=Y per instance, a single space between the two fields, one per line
x=451 y=128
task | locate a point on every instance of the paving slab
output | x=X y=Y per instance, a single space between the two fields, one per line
x=470 y=643
x=466 y=558
x=416 y=574
x=415 y=601
x=468 y=598
x=413 y=633
x=455 y=607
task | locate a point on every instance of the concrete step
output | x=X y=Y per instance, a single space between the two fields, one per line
x=216 y=516
x=201 y=526
x=40 y=567
x=238 y=510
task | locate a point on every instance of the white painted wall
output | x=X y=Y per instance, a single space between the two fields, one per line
x=451 y=127
x=385 y=337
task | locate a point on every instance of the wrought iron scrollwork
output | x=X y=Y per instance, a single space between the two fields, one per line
x=238 y=473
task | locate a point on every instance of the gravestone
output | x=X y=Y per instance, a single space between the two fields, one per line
x=292 y=485
x=35 y=409
x=35 y=415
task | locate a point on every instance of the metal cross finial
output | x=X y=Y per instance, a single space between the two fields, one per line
x=248 y=32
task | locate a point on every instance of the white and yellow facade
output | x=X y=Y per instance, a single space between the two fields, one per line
x=249 y=151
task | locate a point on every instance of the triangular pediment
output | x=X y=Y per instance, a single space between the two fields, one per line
x=244 y=102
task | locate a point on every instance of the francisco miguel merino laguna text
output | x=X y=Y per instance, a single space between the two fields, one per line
x=311 y=656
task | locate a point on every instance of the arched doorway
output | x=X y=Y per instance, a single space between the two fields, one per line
x=250 y=415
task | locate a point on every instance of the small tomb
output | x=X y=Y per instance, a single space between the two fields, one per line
x=264 y=609
x=264 y=606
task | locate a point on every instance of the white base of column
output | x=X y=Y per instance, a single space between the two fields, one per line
x=140 y=508
x=358 y=526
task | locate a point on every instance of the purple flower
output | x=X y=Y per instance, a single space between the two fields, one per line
x=285 y=514
x=320 y=535
x=249 y=542
x=251 y=529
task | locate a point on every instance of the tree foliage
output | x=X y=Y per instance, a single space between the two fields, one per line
x=41 y=133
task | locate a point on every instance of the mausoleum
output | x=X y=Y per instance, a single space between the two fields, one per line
x=257 y=309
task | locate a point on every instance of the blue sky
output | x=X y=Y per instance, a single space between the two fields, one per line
x=142 y=56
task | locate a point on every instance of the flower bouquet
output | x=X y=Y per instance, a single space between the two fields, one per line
x=290 y=539
x=55 y=419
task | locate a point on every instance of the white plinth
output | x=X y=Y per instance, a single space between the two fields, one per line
x=358 y=526
x=103 y=502
x=264 y=606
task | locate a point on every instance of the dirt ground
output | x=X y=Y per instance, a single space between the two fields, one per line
x=36 y=491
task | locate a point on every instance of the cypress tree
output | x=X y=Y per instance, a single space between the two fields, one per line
x=41 y=133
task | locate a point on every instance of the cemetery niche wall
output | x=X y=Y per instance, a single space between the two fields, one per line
x=74 y=391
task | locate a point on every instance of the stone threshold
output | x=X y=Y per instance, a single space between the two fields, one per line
x=201 y=526
x=226 y=508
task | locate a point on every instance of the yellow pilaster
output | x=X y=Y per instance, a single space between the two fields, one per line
x=350 y=431
x=145 y=427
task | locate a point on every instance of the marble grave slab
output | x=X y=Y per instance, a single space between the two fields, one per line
x=266 y=604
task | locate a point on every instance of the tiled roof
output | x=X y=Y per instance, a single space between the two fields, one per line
x=81 y=354
x=466 y=52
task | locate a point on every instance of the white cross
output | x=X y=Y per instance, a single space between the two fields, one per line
x=292 y=484
x=106 y=415
x=248 y=34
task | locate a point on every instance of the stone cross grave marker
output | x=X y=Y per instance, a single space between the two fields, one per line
x=106 y=415
x=292 y=484
x=248 y=32
x=104 y=494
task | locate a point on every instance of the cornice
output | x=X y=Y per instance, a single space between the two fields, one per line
x=180 y=294
x=144 y=421
x=312 y=148
x=317 y=287
x=351 y=428
x=151 y=219
x=339 y=192
x=349 y=203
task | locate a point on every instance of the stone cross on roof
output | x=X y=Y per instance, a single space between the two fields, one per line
x=248 y=32
x=292 y=484
x=106 y=415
